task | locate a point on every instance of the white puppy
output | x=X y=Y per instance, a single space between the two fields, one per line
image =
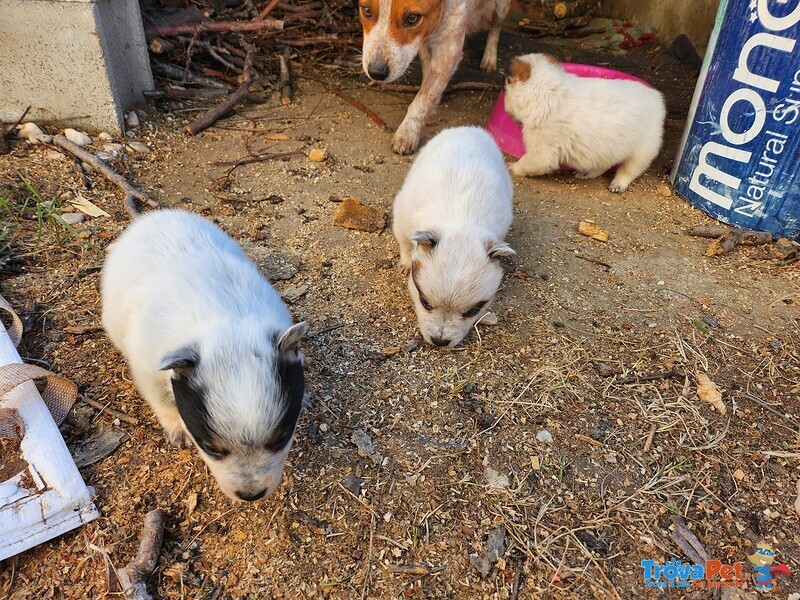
x=588 y=124
x=210 y=345
x=450 y=219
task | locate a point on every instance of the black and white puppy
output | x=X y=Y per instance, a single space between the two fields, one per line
x=210 y=345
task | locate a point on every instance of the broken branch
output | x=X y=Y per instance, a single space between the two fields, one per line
x=131 y=193
x=134 y=575
x=211 y=117
x=380 y=122
x=206 y=26
x=286 y=78
x=257 y=158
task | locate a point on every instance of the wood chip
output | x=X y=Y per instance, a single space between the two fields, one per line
x=738 y=474
x=708 y=391
x=352 y=214
x=535 y=463
x=587 y=439
x=592 y=230
x=87 y=207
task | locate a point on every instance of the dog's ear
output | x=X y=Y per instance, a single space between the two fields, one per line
x=520 y=70
x=289 y=341
x=182 y=362
x=496 y=249
x=426 y=239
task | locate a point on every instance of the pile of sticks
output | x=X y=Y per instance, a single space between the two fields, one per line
x=242 y=53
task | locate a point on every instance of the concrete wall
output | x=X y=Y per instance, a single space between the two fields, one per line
x=83 y=62
x=669 y=18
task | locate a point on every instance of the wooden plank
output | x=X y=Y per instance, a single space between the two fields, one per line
x=50 y=497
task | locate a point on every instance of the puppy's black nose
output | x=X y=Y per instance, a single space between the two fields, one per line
x=378 y=70
x=251 y=497
x=440 y=341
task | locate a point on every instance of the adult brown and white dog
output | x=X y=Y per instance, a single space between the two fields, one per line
x=395 y=31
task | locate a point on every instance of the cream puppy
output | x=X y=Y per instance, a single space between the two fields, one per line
x=450 y=219
x=586 y=123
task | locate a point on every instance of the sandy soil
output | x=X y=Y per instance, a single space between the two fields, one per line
x=601 y=358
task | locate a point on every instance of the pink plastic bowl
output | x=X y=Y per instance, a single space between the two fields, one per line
x=508 y=133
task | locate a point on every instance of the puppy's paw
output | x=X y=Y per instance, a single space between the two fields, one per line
x=405 y=140
x=585 y=175
x=177 y=437
x=404 y=266
x=618 y=187
x=517 y=169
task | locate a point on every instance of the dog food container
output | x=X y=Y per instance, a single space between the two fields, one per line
x=738 y=158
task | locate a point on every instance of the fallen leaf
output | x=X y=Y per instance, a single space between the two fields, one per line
x=708 y=391
x=87 y=207
x=191 y=503
x=593 y=231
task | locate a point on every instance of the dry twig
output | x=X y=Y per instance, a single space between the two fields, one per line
x=219 y=26
x=211 y=117
x=131 y=193
x=380 y=122
x=134 y=575
x=286 y=78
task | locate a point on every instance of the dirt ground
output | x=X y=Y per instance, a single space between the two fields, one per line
x=571 y=430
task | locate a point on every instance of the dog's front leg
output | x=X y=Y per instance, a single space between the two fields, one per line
x=489 y=62
x=442 y=62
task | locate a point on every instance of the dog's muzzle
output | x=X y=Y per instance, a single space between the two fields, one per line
x=378 y=69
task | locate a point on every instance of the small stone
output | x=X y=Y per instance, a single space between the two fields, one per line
x=77 y=137
x=711 y=321
x=495 y=479
x=29 y=129
x=104 y=136
x=138 y=147
x=72 y=218
x=113 y=148
x=495 y=548
x=41 y=138
x=132 y=119
x=610 y=458
x=103 y=155
x=489 y=319
x=55 y=155
x=365 y=446
x=544 y=436
x=294 y=292
x=317 y=155
x=352 y=214
x=323 y=427
x=352 y=484
x=117 y=422
x=664 y=190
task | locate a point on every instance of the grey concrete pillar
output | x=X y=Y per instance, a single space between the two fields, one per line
x=83 y=62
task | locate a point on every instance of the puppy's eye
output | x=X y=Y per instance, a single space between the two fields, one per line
x=425 y=304
x=366 y=11
x=474 y=310
x=279 y=440
x=215 y=449
x=413 y=19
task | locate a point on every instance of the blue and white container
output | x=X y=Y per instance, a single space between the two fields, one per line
x=740 y=152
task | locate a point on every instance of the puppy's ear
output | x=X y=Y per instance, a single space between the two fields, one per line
x=520 y=70
x=182 y=362
x=497 y=249
x=289 y=341
x=426 y=239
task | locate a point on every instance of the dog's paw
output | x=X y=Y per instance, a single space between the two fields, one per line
x=405 y=141
x=584 y=175
x=177 y=437
x=489 y=63
x=617 y=187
